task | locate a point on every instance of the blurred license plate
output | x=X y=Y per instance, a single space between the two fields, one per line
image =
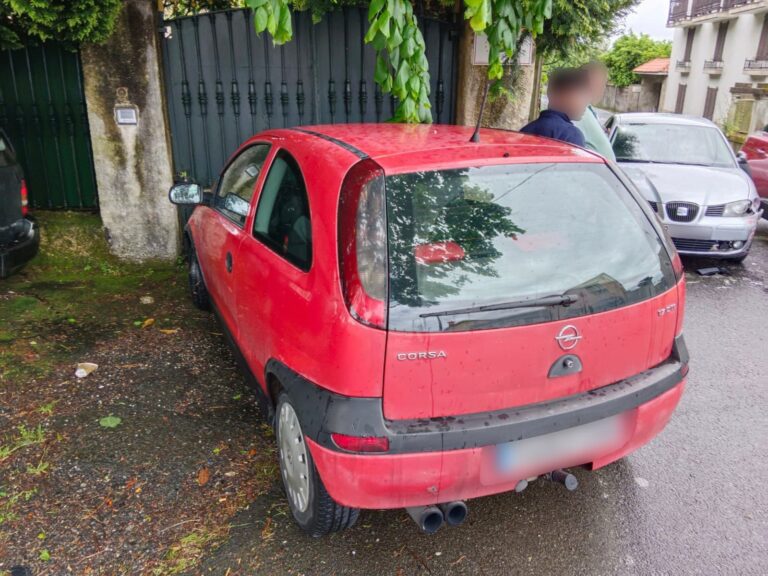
x=558 y=446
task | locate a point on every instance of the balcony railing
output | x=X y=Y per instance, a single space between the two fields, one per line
x=683 y=65
x=756 y=67
x=728 y=4
x=680 y=10
x=713 y=66
x=704 y=7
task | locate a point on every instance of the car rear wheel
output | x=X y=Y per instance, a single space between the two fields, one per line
x=197 y=288
x=312 y=507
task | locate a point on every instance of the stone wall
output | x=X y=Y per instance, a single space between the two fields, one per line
x=643 y=97
x=132 y=161
x=509 y=112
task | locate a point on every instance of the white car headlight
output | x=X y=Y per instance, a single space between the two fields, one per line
x=738 y=208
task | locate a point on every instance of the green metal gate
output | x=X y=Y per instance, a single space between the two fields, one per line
x=224 y=83
x=42 y=108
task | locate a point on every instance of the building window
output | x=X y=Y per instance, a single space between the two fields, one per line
x=762 y=46
x=689 y=44
x=722 y=32
x=680 y=98
x=709 y=103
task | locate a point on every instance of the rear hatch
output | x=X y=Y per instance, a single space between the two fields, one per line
x=10 y=189
x=498 y=275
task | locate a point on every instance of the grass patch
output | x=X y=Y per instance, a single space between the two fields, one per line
x=8 y=502
x=26 y=437
x=73 y=295
x=187 y=552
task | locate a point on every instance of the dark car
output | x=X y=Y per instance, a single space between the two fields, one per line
x=19 y=234
x=426 y=323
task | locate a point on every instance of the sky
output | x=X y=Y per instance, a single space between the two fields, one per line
x=650 y=17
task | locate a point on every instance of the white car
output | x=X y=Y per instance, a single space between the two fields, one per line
x=687 y=170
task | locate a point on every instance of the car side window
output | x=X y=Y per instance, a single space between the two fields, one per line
x=233 y=196
x=282 y=217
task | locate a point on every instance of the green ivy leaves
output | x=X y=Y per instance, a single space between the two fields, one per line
x=401 y=61
x=503 y=21
x=274 y=16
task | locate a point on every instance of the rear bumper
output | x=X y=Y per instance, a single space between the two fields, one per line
x=443 y=459
x=15 y=255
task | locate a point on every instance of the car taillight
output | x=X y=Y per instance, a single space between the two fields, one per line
x=681 y=291
x=677 y=266
x=24 y=198
x=361 y=443
x=363 y=243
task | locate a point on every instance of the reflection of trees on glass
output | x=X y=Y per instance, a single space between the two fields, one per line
x=626 y=146
x=435 y=207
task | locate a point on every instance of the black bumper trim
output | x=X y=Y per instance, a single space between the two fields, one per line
x=322 y=412
x=15 y=256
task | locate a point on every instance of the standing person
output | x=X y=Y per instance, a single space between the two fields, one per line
x=568 y=99
x=594 y=134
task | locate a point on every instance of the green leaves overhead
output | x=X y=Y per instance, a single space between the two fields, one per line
x=31 y=21
x=503 y=21
x=274 y=16
x=401 y=62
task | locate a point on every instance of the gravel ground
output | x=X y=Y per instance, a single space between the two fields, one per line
x=187 y=483
x=187 y=454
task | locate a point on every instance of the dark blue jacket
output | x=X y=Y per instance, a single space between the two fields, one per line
x=557 y=125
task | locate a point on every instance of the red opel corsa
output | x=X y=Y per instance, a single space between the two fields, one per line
x=429 y=320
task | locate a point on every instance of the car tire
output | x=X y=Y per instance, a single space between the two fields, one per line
x=312 y=507
x=197 y=289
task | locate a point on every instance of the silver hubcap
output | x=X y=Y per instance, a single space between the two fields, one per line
x=293 y=458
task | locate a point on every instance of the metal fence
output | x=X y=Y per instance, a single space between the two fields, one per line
x=224 y=83
x=42 y=108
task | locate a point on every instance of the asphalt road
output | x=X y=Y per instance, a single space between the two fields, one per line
x=694 y=501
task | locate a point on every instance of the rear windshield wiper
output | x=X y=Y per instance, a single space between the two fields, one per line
x=560 y=300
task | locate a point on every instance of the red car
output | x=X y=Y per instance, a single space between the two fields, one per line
x=430 y=320
x=755 y=152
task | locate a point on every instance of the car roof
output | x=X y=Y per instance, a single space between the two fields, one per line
x=662 y=118
x=437 y=142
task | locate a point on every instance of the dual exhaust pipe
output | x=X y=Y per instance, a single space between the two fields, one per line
x=430 y=519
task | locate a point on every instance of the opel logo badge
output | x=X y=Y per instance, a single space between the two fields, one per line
x=568 y=337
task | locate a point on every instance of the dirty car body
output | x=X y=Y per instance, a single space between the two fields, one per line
x=686 y=169
x=755 y=151
x=19 y=234
x=429 y=320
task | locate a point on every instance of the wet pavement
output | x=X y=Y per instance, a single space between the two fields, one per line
x=692 y=502
x=188 y=482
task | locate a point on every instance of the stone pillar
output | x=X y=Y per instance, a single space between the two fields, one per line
x=508 y=112
x=129 y=136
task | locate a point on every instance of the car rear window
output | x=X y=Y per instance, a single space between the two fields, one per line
x=482 y=236
x=672 y=144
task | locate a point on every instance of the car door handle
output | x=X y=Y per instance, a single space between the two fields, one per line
x=228 y=261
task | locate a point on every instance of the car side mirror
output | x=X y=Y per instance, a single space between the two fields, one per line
x=186 y=194
x=743 y=161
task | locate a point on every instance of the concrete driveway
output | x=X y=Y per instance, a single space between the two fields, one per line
x=691 y=502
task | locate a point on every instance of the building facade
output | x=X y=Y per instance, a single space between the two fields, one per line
x=719 y=63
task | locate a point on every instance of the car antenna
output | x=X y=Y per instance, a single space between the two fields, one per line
x=476 y=134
